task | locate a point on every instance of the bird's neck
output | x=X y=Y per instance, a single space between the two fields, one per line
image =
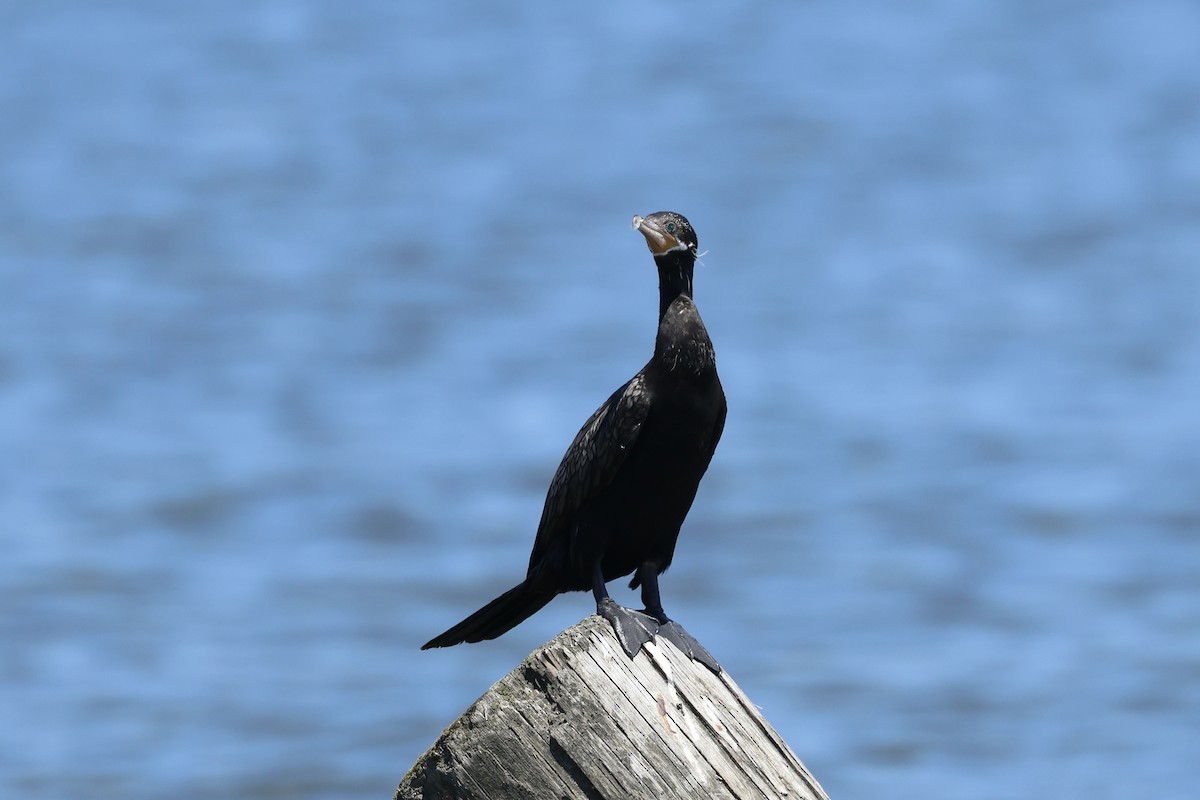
x=682 y=346
x=674 y=279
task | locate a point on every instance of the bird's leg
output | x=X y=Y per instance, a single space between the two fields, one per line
x=632 y=629
x=668 y=629
x=647 y=576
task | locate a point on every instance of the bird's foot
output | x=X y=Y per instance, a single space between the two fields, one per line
x=674 y=633
x=633 y=628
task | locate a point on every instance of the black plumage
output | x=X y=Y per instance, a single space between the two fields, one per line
x=626 y=483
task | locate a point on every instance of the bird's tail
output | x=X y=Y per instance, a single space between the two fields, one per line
x=497 y=617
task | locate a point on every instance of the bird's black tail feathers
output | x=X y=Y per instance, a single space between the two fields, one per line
x=497 y=617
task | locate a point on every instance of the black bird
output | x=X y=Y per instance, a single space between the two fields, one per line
x=626 y=483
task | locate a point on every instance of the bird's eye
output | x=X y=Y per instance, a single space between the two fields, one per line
x=670 y=227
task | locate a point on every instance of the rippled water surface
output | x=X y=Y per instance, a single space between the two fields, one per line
x=302 y=303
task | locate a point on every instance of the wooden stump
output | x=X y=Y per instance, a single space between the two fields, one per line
x=580 y=719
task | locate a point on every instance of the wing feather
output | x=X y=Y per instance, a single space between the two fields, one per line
x=594 y=457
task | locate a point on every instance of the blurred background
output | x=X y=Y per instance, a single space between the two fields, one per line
x=302 y=302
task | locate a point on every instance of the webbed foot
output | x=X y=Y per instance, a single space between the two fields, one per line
x=674 y=633
x=633 y=628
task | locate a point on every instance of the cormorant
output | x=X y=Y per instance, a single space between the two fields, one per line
x=626 y=483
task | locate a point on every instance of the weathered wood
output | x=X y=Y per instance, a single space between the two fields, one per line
x=580 y=719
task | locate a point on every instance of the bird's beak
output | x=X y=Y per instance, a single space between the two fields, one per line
x=657 y=238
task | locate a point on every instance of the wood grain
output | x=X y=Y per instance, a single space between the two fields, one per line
x=580 y=719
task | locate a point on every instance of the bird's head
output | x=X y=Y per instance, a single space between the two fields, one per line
x=667 y=232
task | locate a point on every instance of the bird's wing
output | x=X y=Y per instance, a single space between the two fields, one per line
x=595 y=455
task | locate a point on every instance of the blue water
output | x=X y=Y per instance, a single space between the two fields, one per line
x=302 y=302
